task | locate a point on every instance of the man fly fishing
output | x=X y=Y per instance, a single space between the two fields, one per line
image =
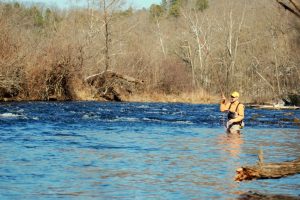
x=235 y=111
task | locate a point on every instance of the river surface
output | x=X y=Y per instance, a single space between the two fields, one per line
x=92 y=150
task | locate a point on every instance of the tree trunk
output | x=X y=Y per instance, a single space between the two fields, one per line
x=268 y=170
x=107 y=39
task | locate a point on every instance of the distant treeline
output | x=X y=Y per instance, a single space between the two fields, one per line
x=178 y=46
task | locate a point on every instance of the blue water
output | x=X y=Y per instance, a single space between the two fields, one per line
x=92 y=150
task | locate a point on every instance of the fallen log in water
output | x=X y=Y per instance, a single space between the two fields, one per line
x=268 y=170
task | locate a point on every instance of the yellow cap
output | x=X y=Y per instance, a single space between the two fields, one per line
x=235 y=94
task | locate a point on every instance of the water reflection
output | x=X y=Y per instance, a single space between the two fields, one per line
x=230 y=147
x=231 y=142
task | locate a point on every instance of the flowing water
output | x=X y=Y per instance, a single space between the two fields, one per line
x=92 y=150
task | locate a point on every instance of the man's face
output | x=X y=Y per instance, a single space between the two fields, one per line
x=233 y=99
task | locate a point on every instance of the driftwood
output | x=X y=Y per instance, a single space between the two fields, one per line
x=112 y=86
x=268 y=170
x=274 y=107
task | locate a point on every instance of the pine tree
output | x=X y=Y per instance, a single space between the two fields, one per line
x=175 y=8
x=201 y=4
x=164 y=5
x=37 y=16
x=156 y=11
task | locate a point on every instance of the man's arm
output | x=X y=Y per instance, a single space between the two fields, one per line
x=224 y=106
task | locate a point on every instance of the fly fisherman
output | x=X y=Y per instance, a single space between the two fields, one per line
x=235 y=113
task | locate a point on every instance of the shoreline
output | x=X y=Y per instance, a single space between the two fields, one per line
x=192 y=98
x=187 y=98
x=168 y=100
x=104 y=101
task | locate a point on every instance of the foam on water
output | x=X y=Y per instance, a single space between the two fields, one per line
x=10 y=115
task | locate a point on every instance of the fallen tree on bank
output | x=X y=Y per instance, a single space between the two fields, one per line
x=111 y=86
x=274 y=107
x=8 y=87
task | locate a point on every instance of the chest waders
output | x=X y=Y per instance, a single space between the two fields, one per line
x=233 y=115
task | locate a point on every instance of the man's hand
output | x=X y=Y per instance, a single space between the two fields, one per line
x=228 y=124
x=223 y=98
x=232 y=121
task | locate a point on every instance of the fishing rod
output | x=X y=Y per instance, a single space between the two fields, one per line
x=223 y=119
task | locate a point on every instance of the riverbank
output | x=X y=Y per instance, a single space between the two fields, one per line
x=199 y=97
x=192 y=98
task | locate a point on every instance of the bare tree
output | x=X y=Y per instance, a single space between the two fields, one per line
x=291 y=5
x=252 y=48
x=160 y=36
x=199 y=26
x=101 y=22
x=11 y=61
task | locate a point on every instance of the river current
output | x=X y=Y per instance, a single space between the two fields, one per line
x=94 y=150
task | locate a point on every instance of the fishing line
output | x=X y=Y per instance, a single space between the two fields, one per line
x=223 y=118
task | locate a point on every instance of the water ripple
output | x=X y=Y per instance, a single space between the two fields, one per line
x=91 y=150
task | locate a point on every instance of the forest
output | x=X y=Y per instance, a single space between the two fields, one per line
x=179 y=50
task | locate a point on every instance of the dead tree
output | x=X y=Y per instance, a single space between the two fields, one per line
x=268 y=170
x=291 y=5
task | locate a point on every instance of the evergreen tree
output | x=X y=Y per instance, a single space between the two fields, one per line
x=156 y=11
x=16 y=5
x=48 y=14
x=201 y=4
x=37 y=16
x=175 y=8
x=164 y=5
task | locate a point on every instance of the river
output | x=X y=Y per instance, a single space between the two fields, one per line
x=94 y=150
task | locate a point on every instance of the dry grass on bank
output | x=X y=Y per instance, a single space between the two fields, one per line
x=191 y=97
